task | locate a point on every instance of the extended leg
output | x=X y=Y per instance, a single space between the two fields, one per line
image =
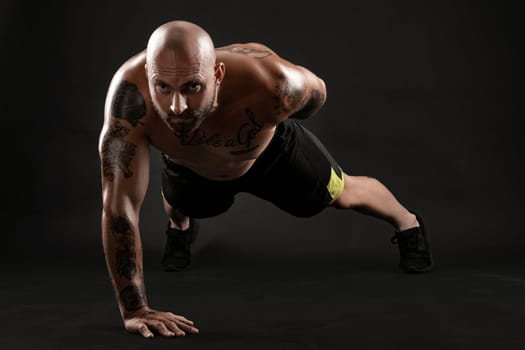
x=369 y=196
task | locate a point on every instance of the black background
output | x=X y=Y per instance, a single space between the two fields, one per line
x=423 y=95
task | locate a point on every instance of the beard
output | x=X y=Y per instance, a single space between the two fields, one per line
x=185 y=124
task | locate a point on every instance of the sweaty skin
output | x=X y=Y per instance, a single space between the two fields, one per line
x=212 y=110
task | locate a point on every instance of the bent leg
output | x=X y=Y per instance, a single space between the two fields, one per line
x=178 y=220
x=180 y=235
x=370 y=197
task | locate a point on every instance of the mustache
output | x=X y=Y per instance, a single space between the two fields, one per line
x=185 y=114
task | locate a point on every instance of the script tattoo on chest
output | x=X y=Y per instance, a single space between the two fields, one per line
x=117 y=153
x=128 y=103
x=244 y=137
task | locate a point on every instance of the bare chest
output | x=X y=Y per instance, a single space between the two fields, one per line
x=222 y=149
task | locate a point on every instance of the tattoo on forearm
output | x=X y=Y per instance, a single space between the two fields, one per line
x=258 y=54
x=133 y=297
x=126 y=261
x=286 y=98
x=128 y=103
x=117 y=153
x=244 y=137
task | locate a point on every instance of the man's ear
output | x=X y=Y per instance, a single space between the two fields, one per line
x=220 y=70
x=146 y=69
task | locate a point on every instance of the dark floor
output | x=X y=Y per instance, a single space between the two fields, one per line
x=309 y=302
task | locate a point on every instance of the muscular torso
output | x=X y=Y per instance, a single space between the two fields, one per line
x=219 y=150
x=254 y=96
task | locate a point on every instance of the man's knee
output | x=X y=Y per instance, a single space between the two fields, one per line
x=353 y=192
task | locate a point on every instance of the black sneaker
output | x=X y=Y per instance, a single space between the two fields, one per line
x=414 y=250
x=177 y=252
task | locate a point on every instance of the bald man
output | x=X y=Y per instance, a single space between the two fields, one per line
x=225 y=120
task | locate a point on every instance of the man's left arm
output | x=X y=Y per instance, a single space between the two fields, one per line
x=312 y=91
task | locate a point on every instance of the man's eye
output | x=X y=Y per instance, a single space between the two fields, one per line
x=194 y=87
x=162 y=87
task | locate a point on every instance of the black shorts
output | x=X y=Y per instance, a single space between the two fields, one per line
x=295 y=172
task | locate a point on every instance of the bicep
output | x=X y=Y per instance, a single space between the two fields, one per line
x=124 y=162
x=123 y=146
x=314 y=96
x=300 y=92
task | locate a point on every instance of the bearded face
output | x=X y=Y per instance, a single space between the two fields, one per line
x=188 y=120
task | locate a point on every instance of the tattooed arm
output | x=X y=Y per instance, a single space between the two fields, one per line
x=305 y=92
x=297 y=92
x=292 y=91
x=124 y=156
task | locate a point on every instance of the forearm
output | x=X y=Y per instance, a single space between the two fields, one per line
x=123 y=254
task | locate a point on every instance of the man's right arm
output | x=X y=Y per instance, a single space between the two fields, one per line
x=124 y=157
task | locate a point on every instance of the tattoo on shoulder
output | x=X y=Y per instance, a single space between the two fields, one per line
x=128 y=103
x=117 y=153
x=258 y=54
x=286 y=98
x=126 y=261
x=133 y=297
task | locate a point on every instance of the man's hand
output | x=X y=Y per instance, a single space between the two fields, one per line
x=147 y=321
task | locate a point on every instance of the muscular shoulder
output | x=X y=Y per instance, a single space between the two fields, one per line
x=260 y=71
x=248 y=65
x=249 y=50
x=128 y=98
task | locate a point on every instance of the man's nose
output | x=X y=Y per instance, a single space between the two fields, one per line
x=178 y=104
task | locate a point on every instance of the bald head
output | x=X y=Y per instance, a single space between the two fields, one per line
x=181 y=39
x=183 y=76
